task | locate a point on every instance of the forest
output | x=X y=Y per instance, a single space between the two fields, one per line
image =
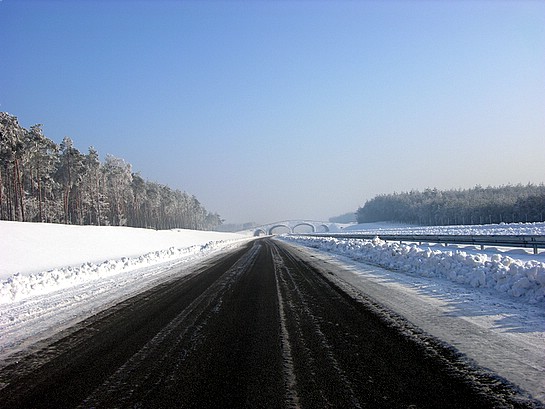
x=41 y=181
x=503 y=204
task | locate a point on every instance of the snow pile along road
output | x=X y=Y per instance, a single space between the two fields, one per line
x=19 y=286
x=520 y=278
x=41 y=258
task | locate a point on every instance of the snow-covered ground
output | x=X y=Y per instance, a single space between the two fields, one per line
x=516 y=272
x=489 y=304
x=499 y=229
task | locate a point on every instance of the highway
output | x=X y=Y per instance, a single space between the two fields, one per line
x=255 y=328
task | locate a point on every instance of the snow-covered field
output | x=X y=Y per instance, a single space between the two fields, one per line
x=40 y=258
x=499 y=229
x=489 y=304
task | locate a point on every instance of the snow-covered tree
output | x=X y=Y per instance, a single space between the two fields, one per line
x=42 y=154
x=471 y=206
x=118 y=179
x=43 y=181
x=11 y=153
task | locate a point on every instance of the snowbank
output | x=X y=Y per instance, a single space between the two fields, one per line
x=40 y=258
x=20 y=286
x=520 y=278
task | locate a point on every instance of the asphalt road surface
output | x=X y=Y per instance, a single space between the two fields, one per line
x=256 y=328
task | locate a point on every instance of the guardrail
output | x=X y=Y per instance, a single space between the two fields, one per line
x=534 y=242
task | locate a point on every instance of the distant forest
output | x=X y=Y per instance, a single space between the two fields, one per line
x=41 y=181
x=505 y=204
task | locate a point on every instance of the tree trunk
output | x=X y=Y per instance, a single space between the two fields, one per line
x=19 y=192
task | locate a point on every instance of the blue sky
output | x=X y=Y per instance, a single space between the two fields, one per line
x=271 y=110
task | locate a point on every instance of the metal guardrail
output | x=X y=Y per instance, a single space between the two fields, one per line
x=534 y=242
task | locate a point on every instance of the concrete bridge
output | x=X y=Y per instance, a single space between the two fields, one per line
x=291 y=226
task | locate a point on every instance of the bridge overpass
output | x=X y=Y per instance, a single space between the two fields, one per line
x=292 y=226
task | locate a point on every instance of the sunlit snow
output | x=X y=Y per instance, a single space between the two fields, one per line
x=515 y=272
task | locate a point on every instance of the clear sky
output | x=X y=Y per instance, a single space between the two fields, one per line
x=273 y=110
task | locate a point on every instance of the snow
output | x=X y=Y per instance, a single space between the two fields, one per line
x=36 y=247
x=515 y=274
x=490 y=229
x=489 y=304
x=39 y=258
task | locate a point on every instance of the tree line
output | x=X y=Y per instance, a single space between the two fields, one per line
x=504 y=204
x=41 y=181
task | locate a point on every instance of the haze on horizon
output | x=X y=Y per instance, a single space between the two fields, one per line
x=268 y=111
